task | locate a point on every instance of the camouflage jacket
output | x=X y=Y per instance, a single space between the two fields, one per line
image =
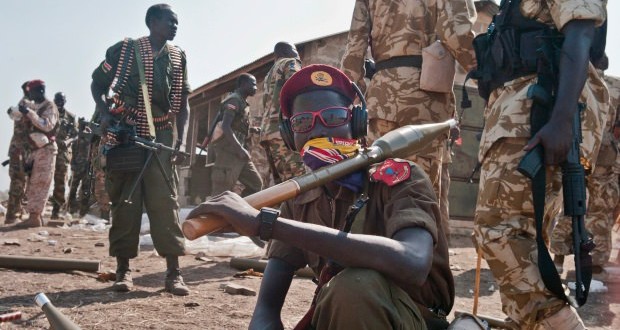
x=401 y=28
x=282 y=69
x=508 y=111
x=19 y=140
x=67 y=128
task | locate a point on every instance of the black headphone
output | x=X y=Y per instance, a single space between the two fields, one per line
x=359 y=122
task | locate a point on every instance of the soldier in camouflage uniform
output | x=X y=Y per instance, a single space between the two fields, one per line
x=18 y=153
x=42 y=118
x=504 y=226
x=232 y=160
x=285 y=162
x=396 y=41
x=79 y=166
x=603 y=194
x=65 y=134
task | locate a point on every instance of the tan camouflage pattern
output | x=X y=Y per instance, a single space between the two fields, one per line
x=603 y=193
x=19 y=151
x=505 y=232
x=66 y=130
x=504 y=227
x=43 y=118
x=398 y=28
x=280 y=72
x=560 y=12
x=288 y=163
x=393 y=96
x=98 y=163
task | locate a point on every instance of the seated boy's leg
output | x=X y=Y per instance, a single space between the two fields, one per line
x=359 y=298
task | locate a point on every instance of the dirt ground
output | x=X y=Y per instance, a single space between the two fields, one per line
x=91 y=304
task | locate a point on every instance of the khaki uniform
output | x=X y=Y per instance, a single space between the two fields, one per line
x=19 y=152
x=410 y=203
x=66 y=130
x=603 y=193
x=43 y=118
x=151 y=193
x=504 y=226
x=394 y=98
x=288 y=163
x=228 y=168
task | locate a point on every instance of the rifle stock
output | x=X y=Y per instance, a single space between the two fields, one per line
x=401 y=142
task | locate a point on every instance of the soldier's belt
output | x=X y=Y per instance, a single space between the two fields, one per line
x=399 y=61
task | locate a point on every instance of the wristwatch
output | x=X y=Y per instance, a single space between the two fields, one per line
x=267 y=217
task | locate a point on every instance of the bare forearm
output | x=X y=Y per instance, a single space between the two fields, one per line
x=396 y=259
x=574 y=63
x=181 y=122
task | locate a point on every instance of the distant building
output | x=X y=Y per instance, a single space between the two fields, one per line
x=204 y=103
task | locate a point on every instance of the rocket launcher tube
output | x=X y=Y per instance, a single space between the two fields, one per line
x=57 y=320
x=398 y=143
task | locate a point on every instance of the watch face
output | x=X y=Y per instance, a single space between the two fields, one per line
x=267 y=217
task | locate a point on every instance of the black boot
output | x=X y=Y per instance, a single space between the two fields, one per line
x=123 y=282
x=55 y=211
x=174 y=280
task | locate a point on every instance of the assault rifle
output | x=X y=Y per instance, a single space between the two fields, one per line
x=574 y=193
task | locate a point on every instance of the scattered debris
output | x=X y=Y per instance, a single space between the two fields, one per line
x=595 y=286
x=99 y=244
x=456 y=268
x=236 y=289
x=44 y=233
x=67 y=250
x=52 y=242
x=8 y=317
x=36 y=238
x=203 y=257
x=248 y=273
x=106 y=276
x=11 y=241
x=191 y=304
x=492 y=288
x=452 y=253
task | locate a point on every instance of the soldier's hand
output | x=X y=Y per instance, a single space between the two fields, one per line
x=556 y=138
x=232 y=208
x=23 y=109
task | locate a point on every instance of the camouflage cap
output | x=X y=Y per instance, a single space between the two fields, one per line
x=314 y=77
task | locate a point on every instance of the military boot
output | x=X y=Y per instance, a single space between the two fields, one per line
x=174 y=280
x=10 y=217
x=34 y=220
x=124 y=282
x=55 y=211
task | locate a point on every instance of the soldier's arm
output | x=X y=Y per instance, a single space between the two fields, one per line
x=271 y=296
x=48 y=119
x=357 y=43
x=102 y=79
x=183 y=115
x=454 y=28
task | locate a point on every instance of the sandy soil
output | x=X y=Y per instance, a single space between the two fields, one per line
x=92 y=305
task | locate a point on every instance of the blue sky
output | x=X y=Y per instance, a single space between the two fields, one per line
x=62 y=41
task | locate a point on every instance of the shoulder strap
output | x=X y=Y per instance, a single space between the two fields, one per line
x=145 y=93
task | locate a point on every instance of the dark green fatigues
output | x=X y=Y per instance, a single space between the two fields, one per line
x=66 y=130
x=228 y=167
x=152 y=192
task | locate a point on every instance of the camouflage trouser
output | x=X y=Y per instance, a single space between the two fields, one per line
x=101 y=194
x=430 y=159
x=78 y=177
x=63 y=159
x=40 y=180
x=505 y=233
x=603 y=193
x=17 y=188
x=288 y=163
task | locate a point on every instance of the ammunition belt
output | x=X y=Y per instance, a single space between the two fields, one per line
x=400 y=61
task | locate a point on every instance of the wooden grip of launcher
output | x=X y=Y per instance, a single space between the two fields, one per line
x=196 y=227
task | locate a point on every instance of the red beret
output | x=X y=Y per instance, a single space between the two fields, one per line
x=35 y=83
x=314 y=77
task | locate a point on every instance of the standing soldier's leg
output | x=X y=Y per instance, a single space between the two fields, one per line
x=101 y=194
x=77 y=176
x=505 y=233
x=17 y=187
x=251 y=179
x=39 y=185
x=60 y=180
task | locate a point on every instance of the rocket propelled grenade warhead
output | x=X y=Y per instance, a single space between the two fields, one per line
x=57 y=320
x=399 y=143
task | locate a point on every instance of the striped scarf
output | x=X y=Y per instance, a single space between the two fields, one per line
x=321 y=152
